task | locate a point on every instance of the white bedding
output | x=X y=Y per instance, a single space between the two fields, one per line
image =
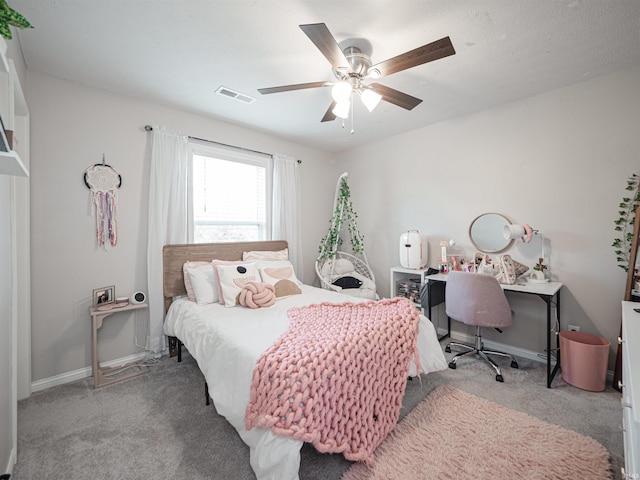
x=227 y=342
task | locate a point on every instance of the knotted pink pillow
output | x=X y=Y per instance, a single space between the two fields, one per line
x=256 y=294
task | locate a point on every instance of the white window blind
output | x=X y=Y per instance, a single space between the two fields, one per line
x=230 y=194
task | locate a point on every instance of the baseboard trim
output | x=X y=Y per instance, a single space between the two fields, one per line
x=81 y=373
x=86 y=371
x=510 y=349
x=11 y=462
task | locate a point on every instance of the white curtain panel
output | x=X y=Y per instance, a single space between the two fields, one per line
x=286 y=208
x=167 y=218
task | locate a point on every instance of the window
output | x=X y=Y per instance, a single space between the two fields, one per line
x=230 y=194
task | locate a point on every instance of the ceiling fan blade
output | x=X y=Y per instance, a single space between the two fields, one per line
x=418 y=56
x=329 y=116
x=396 y=97
x=298 y=86
x=321 y=37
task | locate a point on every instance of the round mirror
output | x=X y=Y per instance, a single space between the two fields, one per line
x=486 y=233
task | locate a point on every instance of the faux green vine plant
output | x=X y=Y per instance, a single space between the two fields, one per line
x=624 y=224
x=342 y=214
x=8 y=16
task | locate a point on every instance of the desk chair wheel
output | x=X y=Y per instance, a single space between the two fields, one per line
x=514 y=364
x=447 y=349
x=499 y=378
x=452 y=365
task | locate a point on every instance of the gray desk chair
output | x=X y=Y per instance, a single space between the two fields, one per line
x=478 y=300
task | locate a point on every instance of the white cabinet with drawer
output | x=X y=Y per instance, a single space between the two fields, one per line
x=631 y=388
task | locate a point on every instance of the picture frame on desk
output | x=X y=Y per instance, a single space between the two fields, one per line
x=104 y=296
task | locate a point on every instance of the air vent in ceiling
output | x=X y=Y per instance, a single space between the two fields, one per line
x=241 y=97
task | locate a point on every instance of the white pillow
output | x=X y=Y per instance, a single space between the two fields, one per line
x=282 y=276
x=187 y=279
x=266 y=255
x=233 y=278
x=203 y=282
x=341 y=266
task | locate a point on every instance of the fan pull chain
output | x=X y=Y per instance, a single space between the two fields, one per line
x=352 y=127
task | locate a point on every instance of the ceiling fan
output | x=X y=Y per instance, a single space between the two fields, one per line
x=352 y=67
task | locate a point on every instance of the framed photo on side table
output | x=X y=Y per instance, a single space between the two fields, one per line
x=104 y=295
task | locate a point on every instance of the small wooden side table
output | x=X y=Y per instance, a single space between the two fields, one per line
x=101 y=375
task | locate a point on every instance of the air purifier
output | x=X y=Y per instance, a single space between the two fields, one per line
x=412 y=253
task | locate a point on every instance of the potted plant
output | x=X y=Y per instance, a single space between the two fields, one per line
x=624 y=224
x=8 y=16
x=342 y=214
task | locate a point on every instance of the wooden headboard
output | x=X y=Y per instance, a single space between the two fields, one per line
x=174 y=257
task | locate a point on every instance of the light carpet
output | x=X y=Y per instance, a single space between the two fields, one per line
x=452 y=434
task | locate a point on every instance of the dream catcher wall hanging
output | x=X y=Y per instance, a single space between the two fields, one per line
x=104 y=181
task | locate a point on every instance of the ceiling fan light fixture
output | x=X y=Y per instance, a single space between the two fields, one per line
x=342 y=109
x=341 y=92
x=374 y=73
x=351 y=67
x=370 y=98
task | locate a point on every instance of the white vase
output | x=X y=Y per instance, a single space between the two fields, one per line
x=537 y=274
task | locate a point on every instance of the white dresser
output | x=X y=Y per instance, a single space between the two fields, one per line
x=631 y=389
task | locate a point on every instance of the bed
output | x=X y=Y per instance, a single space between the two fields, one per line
x=227 y=342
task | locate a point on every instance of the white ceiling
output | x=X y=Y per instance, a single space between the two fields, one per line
x=178 y=52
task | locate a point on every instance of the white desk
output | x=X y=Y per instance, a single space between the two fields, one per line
x=546 y=291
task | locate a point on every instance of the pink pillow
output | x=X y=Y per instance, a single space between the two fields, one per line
x=266 y=255
x=215 y=264
x=256 y=295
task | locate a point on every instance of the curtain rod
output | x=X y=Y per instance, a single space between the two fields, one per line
x=149 y=128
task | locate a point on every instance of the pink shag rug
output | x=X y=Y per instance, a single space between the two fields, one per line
x=452 y=434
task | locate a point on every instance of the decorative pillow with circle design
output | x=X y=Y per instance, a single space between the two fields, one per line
x=215 y=263
x=282 y=276
x=233 y=279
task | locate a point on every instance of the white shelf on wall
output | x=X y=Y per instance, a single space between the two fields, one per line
x=13 y=107
x=4 y=64
x=11 y=164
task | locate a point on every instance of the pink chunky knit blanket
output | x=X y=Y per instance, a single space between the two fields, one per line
x=337 y=376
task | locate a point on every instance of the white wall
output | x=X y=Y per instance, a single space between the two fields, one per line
x=72 y=126
x=558 y=161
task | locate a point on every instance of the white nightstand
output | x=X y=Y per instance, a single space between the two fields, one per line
x=100 y=375
x=407 y=282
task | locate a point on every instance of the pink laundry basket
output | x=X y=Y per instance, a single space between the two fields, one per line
x=584 y=358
